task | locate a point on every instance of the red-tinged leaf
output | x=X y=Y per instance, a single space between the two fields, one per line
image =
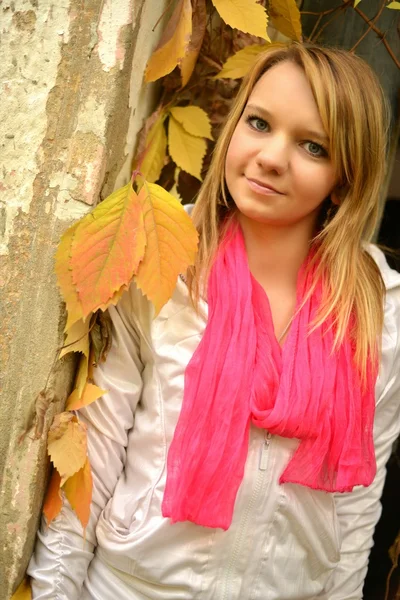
x=199 y=22
x=78 y=490
x=174 y=42
x=90 y=393
x=171 y=244
x=107 y=248
x=67 y=445
x=63 y=271
x=53 y=501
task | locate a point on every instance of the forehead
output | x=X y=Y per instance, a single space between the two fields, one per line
x=284 y=91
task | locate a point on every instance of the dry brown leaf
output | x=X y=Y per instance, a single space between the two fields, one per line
x=174 y=43
x=67 y=444
x=199 y=23
x=100 y=336
x=42 y=403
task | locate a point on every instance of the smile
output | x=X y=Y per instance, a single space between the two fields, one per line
x=262 y=188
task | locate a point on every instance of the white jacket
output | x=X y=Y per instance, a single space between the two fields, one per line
x=286 y=542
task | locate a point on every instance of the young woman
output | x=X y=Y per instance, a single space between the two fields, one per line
x=240 y=451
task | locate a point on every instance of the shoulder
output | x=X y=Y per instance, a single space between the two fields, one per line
x=390 y=357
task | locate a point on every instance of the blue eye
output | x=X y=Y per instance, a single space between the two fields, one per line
x=257 y=123
x=315 y=149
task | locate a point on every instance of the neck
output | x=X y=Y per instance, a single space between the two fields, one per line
x=275 y=254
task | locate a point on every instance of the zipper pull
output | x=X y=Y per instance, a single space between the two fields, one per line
x=264 y=452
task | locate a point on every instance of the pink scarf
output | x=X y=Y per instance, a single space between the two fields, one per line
x=239 y=374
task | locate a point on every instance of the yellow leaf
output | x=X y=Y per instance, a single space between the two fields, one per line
x=155 y=151
x=393 y=5
x=186 y=150
x=199 y=22
x=63 y=271
x=174 y=43
x=107 y=248
x=80 y=379
x=285 y=17
x=90 y=393
x=356 y=2
x=78 y=490
x=23 y=592
x=77 y=339
x=193 y=119
x=239 y=64
x=53 y=501
x=171 y=244
x=67 y=444
x=245 y=15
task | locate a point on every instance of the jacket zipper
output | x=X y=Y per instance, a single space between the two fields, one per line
x=262 y=467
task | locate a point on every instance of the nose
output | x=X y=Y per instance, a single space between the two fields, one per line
x=273 y=154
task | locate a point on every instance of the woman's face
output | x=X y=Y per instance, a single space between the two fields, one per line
x=277 y=167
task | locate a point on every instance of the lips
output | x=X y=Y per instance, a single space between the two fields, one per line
x=262 y=186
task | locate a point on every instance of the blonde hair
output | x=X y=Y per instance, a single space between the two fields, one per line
x=354 y=113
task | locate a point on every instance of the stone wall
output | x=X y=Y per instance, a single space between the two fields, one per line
x=73 y=101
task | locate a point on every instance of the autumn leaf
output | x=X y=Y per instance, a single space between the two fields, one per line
x=187 y=151
x=193 y=119
x=63 y=271
x=356 y=2
x=199 y=22
x=393 y=5
x=78 y=490
x=171 y=244
x=53 y=501
x=100 y=336
x=174 y=190
x=67 y=444
x=285 y=17
x=245 y=15
x=239 y=64
x=77 y=339
x=89 y=394
x=152 y=160
x=23 y=591
x=174 y=43
x=106 y=249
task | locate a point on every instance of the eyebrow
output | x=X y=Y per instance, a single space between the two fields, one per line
x=320 y=136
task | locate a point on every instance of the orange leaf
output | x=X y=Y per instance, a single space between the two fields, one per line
x=63 y=271
x=174 y=42
x=90 y=393
x=23 y=592
x=199 y=22
x=78 y=490
x=53 y=501
x=171 y=244
x=67 y=444
x=107 y=248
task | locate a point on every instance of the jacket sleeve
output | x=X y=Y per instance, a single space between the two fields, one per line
x=59 y=564
x=359 y=511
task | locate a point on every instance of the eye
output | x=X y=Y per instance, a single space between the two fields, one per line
x=315 y=149
x=257 y=123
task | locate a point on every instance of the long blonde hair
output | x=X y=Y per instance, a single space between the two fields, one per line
x=354 y=113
